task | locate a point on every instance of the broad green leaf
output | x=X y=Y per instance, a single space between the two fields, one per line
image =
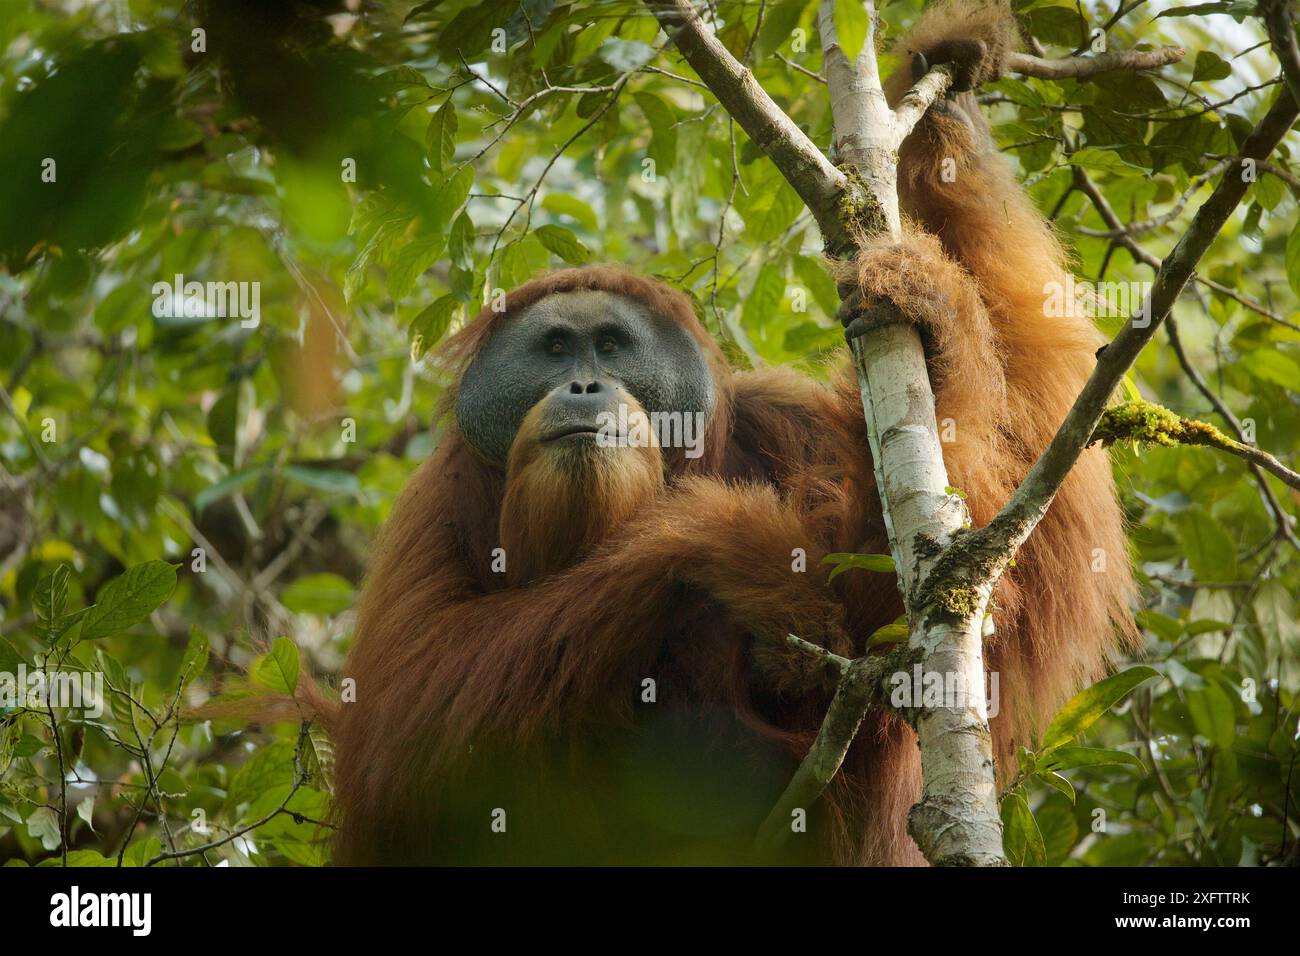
x=128 y=599
x=1021 y=839
x=9 y=658
x=84 y=858
x=626 y=55
x=1067 y=758
x=663 y=130
x=562 y=204
x=319 y=594
x=277 y=669
x=1101 y=160
x=842 y=561
x=1088 y=705
x=227 y=486
x=460 y=244
x=1208 y=547
x=1210 y=66
x=1273 y=366
x=1057 y=782
x=440 y=137
x=411 y=261
x=43 y=825
x=1213 y=714
x=451 y=196
x=142 y=851
x=563 y=243
x=331 y=480
x=1292 y=258
x=51 y=597
x=764 y=299
x=428 y=328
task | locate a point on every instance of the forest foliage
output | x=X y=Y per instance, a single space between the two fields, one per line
x=187 y=499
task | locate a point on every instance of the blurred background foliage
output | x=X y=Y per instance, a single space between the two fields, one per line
x=378 y=168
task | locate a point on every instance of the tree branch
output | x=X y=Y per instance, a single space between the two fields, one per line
x=862 y=682
x=1111 y=218
x=1086 y=67
x=957 y=820
x=1155 y=424
x=818 y=183
x=986 y=551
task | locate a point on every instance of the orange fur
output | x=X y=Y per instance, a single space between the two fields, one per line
x=691 y=566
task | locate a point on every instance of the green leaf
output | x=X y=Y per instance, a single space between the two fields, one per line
x=28 y=746
x=1209 y=66
x=227 y=486
x=428 y=328
x=771 y=206
x=1213 y=714
x=451 y=196
x=764 y=298
x=268 y=768
x=563 y=243
x=277 y=670
x=43 y=825
x=319 y=594
x=1209 y=549
x=1021 y=839
x=195 y=659
x=1056 y=781
x=1088 y=705
x=850 y=26
x=411 y=261
x=1101 y=160
x=9 y=658
x=84 y=858
x=663 y=130
x=401 y=78
x=626 y=55
x=842 y=562
x=318 y=756
x=1272 y=366
x=562 y=204
x=1292 y=258
x=141 y=852
x=440 y=137
x=1067 y=758
x=49 y=601
x=1237 y=9
x=325 y=479
x=460 y=244
x=128 y=599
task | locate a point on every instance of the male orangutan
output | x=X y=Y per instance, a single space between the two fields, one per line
x=570 y=649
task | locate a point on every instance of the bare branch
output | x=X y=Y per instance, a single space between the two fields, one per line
x=862 y=683
x=1086 y=67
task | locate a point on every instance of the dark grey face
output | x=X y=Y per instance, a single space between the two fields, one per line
x=583 y=346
